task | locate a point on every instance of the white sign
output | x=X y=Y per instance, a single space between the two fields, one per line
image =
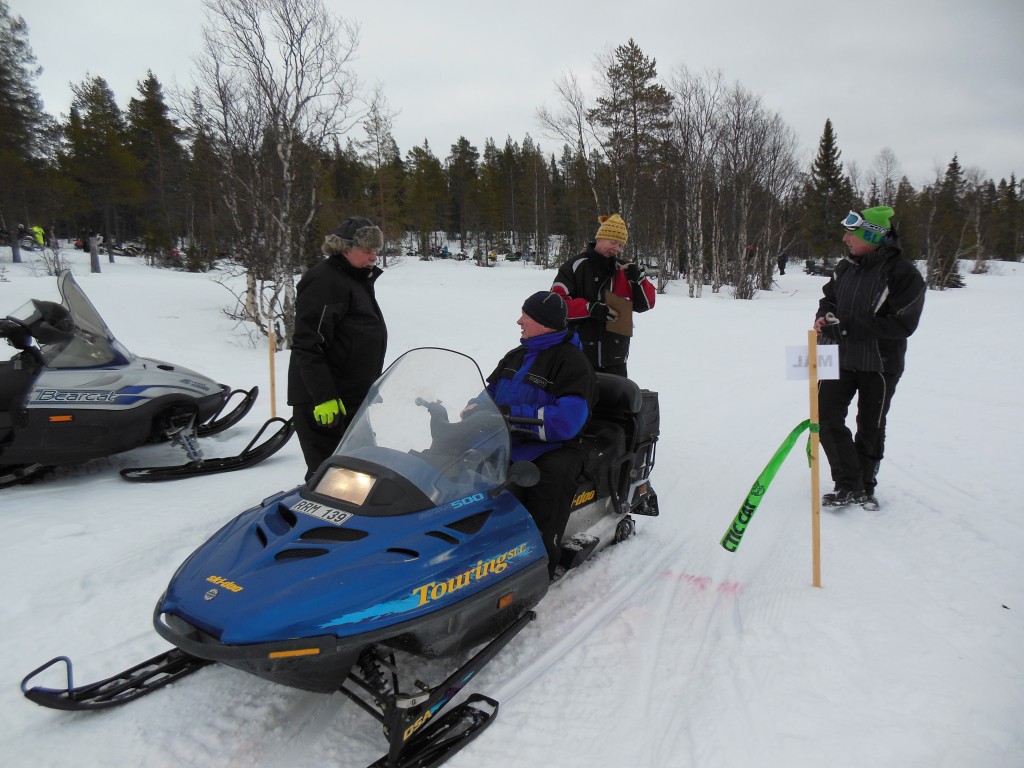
x=828 y=362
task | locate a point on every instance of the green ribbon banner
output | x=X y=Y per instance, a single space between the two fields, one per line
x=732 y=538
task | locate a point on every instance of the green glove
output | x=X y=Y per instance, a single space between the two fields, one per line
x=325 y=413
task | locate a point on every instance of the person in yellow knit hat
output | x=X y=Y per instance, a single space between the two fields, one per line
x=585 y=282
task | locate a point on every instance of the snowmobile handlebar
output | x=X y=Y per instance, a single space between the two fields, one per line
x=14 y=331
x=21 y=338
x=513 y=420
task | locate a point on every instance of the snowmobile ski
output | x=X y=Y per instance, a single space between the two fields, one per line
x=21 y=473
x=251 y=455
x=446 y=736
x=218 y=423
x=415 y=739
x=120 y=689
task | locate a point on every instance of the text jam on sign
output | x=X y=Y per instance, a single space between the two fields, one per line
x=797 y=359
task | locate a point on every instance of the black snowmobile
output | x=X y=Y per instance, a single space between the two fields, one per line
x=408 y=544
x=73 y=393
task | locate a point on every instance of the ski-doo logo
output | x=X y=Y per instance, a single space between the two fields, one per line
x=435 y=590
x=583 y=498
x=75 y=396
x=222 y=582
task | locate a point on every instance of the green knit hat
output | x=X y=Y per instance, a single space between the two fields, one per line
x=870 y=225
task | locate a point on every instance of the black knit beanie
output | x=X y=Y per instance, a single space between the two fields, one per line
x=546 y=308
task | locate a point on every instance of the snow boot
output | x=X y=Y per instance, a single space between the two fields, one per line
x=870 y=502
x=842 y=497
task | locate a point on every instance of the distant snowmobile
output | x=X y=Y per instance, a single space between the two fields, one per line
x=73 y=393
x=408 y=543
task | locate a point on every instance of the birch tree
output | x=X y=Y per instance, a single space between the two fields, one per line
x=695 y=118
x=569 y=123
x=274 y=90
x=380 y=151
x=885 y=176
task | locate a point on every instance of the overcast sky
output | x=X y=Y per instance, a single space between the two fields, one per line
x=926 y=78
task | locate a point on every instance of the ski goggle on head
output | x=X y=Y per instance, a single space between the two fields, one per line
x=854 y=221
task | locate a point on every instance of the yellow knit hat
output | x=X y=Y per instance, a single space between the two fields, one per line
x=612 y=228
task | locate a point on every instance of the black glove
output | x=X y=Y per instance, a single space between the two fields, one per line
x=598 y=310
x=634 y=272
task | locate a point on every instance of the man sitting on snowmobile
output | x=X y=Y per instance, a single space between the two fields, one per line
x=547 y=377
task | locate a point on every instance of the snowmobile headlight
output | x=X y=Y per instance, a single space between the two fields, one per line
x=346 y=485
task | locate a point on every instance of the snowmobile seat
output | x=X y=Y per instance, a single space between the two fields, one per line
x=620 y=401
x=608 y=435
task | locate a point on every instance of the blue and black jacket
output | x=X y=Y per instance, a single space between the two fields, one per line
x=546 y=377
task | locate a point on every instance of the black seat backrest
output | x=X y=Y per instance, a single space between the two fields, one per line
x=620 y=401
x=617 y=397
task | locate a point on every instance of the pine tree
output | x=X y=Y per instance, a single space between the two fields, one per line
x=828 y=195
x=97 y=156
x=633 y=115
x=945 y=228
x=21 y=119
x=1005 y=228
x=155 y=142
x=424 y=199
x=462 y=171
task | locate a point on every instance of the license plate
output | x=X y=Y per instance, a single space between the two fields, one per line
x=322 y=511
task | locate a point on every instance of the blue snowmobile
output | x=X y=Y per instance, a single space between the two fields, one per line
x=74 y=393
x=408 y=543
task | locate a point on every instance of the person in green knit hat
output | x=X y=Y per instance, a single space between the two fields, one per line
x=870 y=306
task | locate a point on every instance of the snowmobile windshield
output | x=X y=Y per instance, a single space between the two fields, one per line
x=93 y=345
x=428 y=418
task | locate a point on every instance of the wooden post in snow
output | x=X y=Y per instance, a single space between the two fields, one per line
x=812 y=381
x=272 y=338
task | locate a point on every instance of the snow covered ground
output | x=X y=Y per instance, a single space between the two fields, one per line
x=665 y=652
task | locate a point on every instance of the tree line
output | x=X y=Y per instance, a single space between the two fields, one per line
x=274 y=144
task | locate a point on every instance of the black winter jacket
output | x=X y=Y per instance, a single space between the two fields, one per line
x=340 y=337
x=878 y=302
x=588 y=278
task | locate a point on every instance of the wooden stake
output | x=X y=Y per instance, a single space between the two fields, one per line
x=273 y=385
x=812 y=379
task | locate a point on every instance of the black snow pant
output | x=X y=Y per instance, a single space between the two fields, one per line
x=317 y=442
x=615 y=370
x=550 y=500
x=854 y=460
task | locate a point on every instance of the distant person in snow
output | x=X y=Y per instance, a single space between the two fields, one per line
x=547 y=377
x=870 y=306
x=585 y=282
x=782 y=261
x=340 y=339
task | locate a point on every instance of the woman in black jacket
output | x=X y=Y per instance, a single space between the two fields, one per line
x=340 y=339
